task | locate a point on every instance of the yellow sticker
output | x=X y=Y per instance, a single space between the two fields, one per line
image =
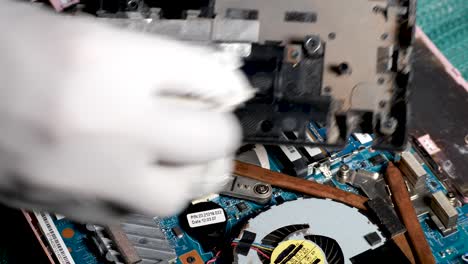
x=298 y=252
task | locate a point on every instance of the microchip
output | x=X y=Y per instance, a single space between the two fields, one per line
x=177 y=231
x=373 y=238
x=377 y=160
x=241 y=207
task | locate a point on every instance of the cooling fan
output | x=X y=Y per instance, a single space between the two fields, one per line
x=306 y=231
x=311 y=249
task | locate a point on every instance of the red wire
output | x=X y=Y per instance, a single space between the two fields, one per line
x=214 y=258
x=260 y=252
x=211 y=261
x=254 y=248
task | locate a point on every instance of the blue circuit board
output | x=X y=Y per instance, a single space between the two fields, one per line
x=447 y=249
x=450 y=248
x=74 y=238
x=234 y=217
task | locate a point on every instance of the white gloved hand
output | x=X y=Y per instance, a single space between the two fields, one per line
x=87 y=126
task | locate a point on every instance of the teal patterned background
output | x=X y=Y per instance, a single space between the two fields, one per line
x=446 y=23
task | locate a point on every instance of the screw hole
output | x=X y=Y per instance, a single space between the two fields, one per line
x=332 y=36
x=342 y=68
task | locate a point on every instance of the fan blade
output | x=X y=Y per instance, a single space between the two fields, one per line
x=330 y=247
x=275 y=237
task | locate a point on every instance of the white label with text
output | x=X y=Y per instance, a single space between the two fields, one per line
x=291 y=152
x=206 y=218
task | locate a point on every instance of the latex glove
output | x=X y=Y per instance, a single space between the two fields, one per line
x=87 y=126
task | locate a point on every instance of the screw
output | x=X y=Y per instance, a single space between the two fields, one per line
x=381 y=81
x=344 y=168
x=465 y=257
x=388 y=123
x=312 y=44
x=389 y=126
x=327 y=89
x=382 y=104
x=294 y=54
x=452 y=198
x=343 y=173
x=384 y=36
x=132 y=5
x=191 y=259
x=332 y=36
x=262 y=189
